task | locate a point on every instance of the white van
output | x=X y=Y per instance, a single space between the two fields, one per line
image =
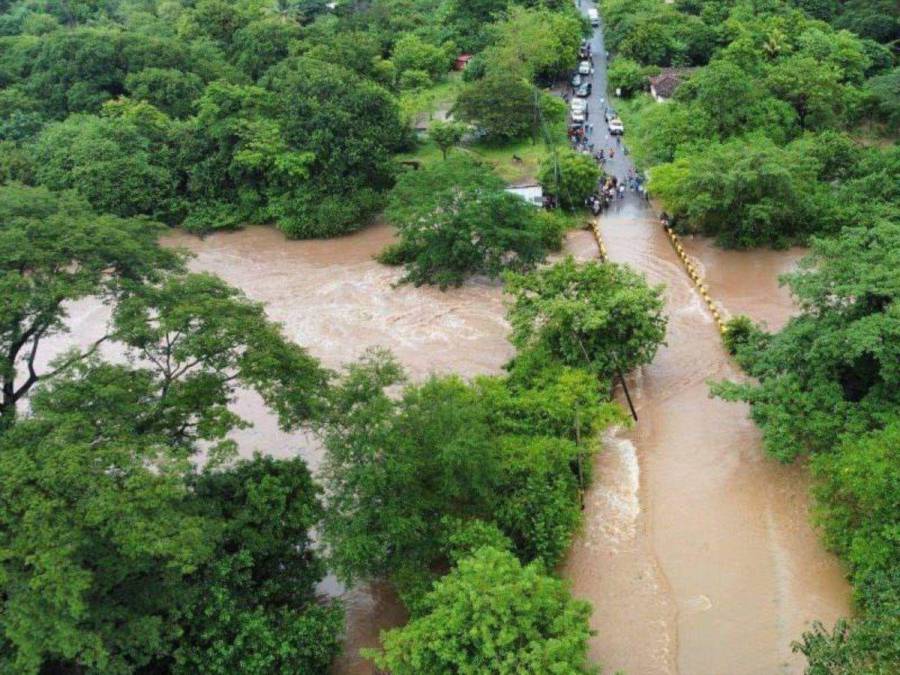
x=594 y=16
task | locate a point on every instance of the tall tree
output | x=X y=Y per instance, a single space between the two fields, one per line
x=53 y=250
x=602 y=317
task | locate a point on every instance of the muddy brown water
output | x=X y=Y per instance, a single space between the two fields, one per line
x=696 y=552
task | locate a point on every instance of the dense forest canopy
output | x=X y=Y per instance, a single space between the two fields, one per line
x=214 y=114
x=132 y=538
x=777 y=129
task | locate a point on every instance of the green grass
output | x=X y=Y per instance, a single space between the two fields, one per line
x=441 y=97
x=499 y=157
x=427 y=101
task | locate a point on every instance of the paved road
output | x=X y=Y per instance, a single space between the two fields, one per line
x=620 y=165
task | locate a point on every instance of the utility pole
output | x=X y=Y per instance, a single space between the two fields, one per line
x=625 y=389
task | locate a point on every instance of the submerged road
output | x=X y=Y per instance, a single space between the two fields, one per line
x=697 y=552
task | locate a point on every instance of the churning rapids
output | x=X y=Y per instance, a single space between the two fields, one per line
x=696 y=552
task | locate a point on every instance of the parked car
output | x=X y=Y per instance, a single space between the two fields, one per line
x=616 y=126
x=610 y=113
x=584 y=90
x=576 y=80
x=579 y=110
x=594 y=16
x=584 y=68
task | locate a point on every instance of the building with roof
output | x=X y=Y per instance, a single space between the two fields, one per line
x=462 y=61
x=663 y=86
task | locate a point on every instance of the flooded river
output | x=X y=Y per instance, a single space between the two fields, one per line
x=696 y=553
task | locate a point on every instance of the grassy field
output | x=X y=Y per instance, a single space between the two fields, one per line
x=422 y=106
x=500 y=158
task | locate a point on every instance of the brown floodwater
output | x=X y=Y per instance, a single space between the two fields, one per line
x=697 y=552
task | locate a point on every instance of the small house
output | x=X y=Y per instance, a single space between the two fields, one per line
x=462 y=61
x=663 y=86
x=533 y=194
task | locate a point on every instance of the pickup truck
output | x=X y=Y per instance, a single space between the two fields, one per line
x=616 y=127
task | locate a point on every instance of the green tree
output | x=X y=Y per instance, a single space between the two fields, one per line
x=412 y=53
x=260 y=45
x=98 y=534
x=726 y=96
x=833 y=368
x=109 y=162
x=170 y=90
x=53 y=250
x=745 y=192
x=570 y=176
x=602 y=317
x=400 y=472
x=204 y=339
x=814 y=89
x=490 y=614
x=350 y=131
x=876 y=19
x=455 y=219
x=538 y=44
x=116 y=559
x=505 y=108
x=627 y=76
x=884 y=98
x=857 y=492
x=255 y=607
x=446 y=135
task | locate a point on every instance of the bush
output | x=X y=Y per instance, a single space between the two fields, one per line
x=629 y=76
x=571 y=176
x=490 y=609
x=742 y=334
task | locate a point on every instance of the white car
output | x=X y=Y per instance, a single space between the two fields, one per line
x=616 y=126
x=584 y=68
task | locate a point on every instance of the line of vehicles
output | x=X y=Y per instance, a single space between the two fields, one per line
x=582 y=88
